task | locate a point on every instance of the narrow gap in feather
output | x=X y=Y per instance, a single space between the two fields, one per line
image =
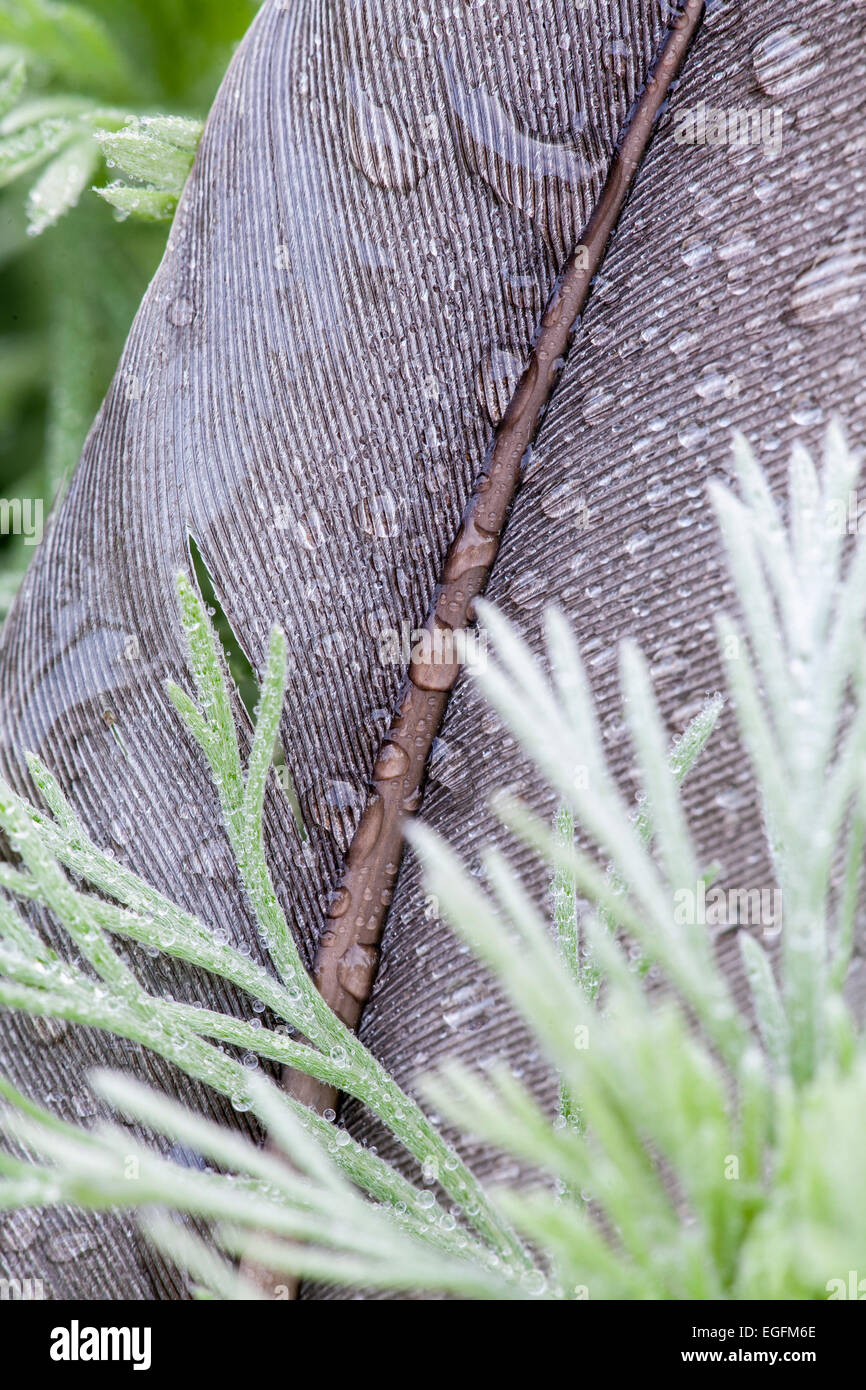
x=242 y=672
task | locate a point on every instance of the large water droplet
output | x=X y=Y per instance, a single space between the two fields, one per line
x=617 y=57
x=638 y=542
x=496 y=379
x=658 y=491
x=596 y=404
x=565 y=500
x=523 y=291
x=553 y=185
x=356 y=970
x=466 y=1009
x=70 y=1245
x=393 y=761
x=528 y=589
x=736 y=246
x=310 y=529
x=694 y=251
x=833 y=285
x=377 y=515
x=336 y=806
x=379 y=142
x=120 y=829
x=684 y=343
x=806 y=411
x=19 y=1230
x=786 y=61
x=181 y=312
x=211 y=859
x=447 y=765
x=712 y=385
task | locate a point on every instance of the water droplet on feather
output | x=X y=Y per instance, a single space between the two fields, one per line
x=495 y=381
x=379 y=142
x=554 y=185
x=786 y=61
x=833 y=285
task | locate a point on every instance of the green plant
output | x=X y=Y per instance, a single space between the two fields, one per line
x=687 y=1159
x=70 y=86
x=84 y=92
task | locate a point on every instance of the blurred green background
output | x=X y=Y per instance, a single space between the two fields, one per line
x=78 y=84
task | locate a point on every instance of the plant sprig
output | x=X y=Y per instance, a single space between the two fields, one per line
x=72 y=134
x=182 y=1033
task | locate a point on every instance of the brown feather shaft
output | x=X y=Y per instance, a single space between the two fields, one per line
x=348 y=952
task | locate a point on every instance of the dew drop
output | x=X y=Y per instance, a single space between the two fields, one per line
x=596 y=404
x=120 y=830
x=638 y=542
x=339 y=903
x=684 y=342
x=466 y=1010
x=523 y=291
x=356 y=969
x=210 y=859
x=378 y=515
x=379 y=142
x=69 y=1246
x=566 y=500
x=19 y=1230
x=786 y=61
x=712 y=385
x=694 y=251
x=805 y=412
x=310 y=530
x=736 y=246
x=691 y=436
x=368 y=830
x=617 y=57
x=336 y=806
x=181 y=312
x=833 y=285
x=528 y=589
x=658 y=492
x=393 y=761
x=495 y=381
x=552 y=184
x=447 y=766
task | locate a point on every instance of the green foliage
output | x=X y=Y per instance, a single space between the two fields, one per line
x=83 y=92
x=33 y=978
x=63 y=73
x=154 y=154
x=689 y=1158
